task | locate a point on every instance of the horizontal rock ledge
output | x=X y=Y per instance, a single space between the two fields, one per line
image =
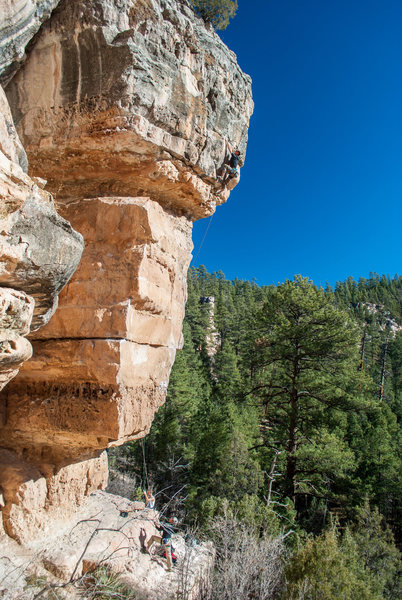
x=118 y=386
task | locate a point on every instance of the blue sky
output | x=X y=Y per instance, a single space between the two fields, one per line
x=321 y=190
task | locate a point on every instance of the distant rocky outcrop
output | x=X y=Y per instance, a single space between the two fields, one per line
x=213 y=337
x=123 y=107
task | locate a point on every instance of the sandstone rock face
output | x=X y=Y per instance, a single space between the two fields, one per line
x=101 y=366
x=131 y=282
x=39 y=251
x=20 y=20
x=16 y=310
x=33 y=499
x=144 y=79
x=124 y=107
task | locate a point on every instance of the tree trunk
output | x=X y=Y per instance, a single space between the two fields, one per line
x=290 y=486
x=290 y=489
x=383 y=369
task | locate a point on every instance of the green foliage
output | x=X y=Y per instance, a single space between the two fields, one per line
x=228 y=378
x=282 y=397
x=381 y=291
x=249 y=509
x=101 y=584
x=372 y=543
x=223 y=466
x=138 y=495
x=395 y=353
x=376 y=439
x=363 y=563
x=305 y=363
x=322 y=459
x=217 y=12
x=321 y=570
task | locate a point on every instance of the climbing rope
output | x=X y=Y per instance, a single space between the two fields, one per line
x=203 y=239
x=145 y=463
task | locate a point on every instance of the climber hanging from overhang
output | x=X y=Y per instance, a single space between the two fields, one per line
x=230 y=168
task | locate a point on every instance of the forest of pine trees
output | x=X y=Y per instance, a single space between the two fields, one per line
x=283 y=414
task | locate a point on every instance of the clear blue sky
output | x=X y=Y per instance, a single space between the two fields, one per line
x=321 y=189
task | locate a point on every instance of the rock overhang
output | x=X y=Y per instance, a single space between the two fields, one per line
x=149 y=116
x=124 y=107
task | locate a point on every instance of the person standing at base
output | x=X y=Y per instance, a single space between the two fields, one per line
x=167 y=530
x=149 y=498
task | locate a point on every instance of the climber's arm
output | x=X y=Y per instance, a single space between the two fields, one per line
x=229 y=147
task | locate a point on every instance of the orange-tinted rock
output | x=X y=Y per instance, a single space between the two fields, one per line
x=137 y=98
x=124 y=107
x=38 y=252
x=34 y=497
x=101 y=366
x=131 y=282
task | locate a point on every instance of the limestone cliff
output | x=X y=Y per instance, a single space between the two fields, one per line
x=123 y=106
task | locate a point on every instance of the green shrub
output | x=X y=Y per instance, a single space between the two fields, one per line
x=372 y=543
x=101 y=584
x=249 y=509
x=216 y=12
x=320 y=571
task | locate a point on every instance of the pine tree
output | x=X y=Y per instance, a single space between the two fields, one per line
x=217 y=12
x=291 y=394
x=306 y=358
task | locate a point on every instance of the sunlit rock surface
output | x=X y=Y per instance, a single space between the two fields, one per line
x=124 y=107
x=34 y=497
x=39 y=251
x=101 y=367
x=136 y=98
x=112 y=531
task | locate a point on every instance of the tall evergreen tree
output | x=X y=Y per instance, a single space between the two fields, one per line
x=306 y=358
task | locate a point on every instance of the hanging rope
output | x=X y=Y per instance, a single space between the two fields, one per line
x=203 y=239
x=145 y=463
